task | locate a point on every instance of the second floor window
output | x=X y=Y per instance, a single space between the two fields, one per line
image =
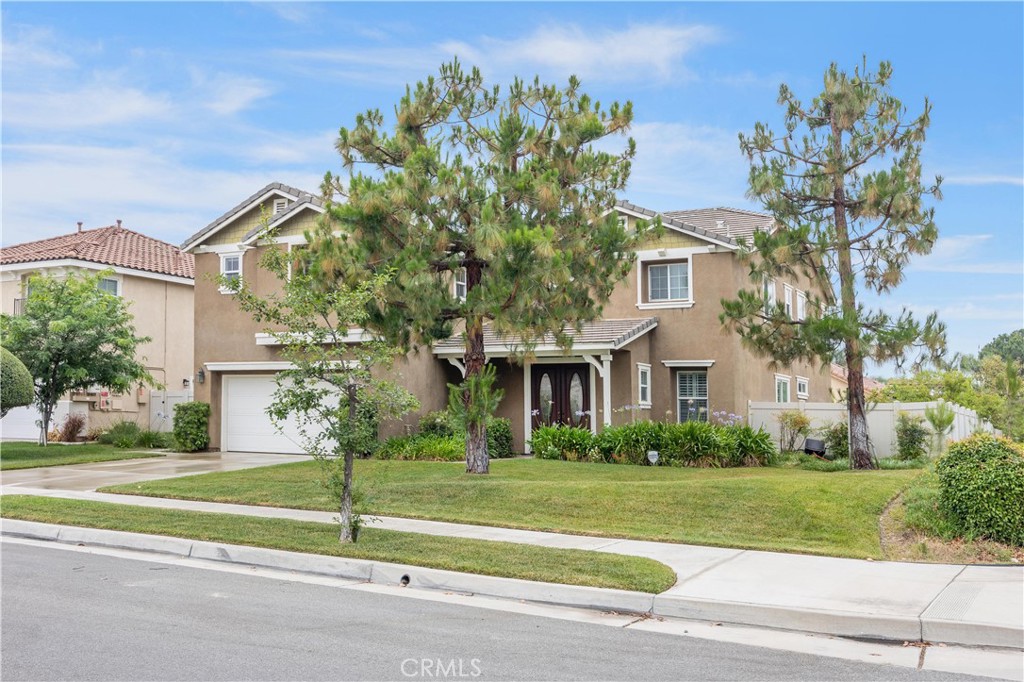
x=109 y=285
x=460 y=283
x=668 y=282
x=231 y=267
x=801 y=305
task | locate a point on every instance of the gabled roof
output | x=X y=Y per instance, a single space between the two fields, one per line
x=114 y=245
x=274 y=188
x=680 y=225
x=596 y=336
x=727 y=222
x=305 y=201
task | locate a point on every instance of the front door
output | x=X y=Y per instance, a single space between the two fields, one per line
x=561 y=395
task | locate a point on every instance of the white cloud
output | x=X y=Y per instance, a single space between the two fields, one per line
x=96 y=104
x=153 y=192
x=983 y=179
x=227 y=94
x=638 y=51
x=961 y=254
x=681 y=166
x=33 y=47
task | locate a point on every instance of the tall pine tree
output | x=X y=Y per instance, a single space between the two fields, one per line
x=843 y=181
x=507 y=191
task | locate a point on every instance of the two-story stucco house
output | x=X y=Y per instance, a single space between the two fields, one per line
x=659 y=352
x=158 y=280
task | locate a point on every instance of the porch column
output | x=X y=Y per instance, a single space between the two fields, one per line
x=606 y=388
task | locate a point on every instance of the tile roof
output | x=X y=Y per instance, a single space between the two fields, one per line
x=114 y=245
x=727 y=222
x=679 y=224
x=611 y=334
x=839 y=373
x=244 y=206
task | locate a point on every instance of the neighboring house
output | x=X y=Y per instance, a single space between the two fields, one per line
x=839 y=383
x=156 y=277
x=659 y=352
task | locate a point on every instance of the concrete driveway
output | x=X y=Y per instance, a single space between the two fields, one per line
x=94 y=475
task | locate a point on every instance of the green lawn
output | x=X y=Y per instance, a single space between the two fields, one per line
x=761 y=508
x=528 y=562
x=24 y=455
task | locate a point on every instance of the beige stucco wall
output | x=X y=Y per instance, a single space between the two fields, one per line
x=163 y=311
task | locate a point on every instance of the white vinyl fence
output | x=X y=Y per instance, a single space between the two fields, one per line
x=881 y=420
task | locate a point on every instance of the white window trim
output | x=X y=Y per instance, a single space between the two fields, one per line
x=801 y=305
x=789 y=394
x=224 y=256
x=641 y=369
x=459 y=277
x=659 y=256
x=807 y=387
x=788 y=301
x=772 y=296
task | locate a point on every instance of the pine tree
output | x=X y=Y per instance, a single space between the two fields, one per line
x=844 y=184
x=509 y=192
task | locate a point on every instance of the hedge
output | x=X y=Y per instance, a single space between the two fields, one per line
x=981 y=482
x=16 y=386
x=191 y=426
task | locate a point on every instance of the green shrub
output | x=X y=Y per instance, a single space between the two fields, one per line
x=982 y=487
x=191 y=426
x=423 y=448
x=124 y=432
x=563 y=442
x=439 y=423
x=499 y=438
x=837 y=439
x=16 y=386
x=812 y=463
x=793 y=424
x=911 y=437
x=697 y=444
x=753 y=448
x=629 y=444
x=154 y=439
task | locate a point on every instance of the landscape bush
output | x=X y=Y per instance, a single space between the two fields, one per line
x=793 y=424
x=837 y=439
x=438 y=423
x=123 y=434
x=423 y=448
x=692 y=443
x=71 y=427
x=154 y=439
x=911 y=437
x=499 y=438
x=191 y=426
x=16 y=386
x=982 y=487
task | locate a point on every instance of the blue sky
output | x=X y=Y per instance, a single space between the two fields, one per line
x=165 y=115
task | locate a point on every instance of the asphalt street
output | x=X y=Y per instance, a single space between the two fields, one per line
x=70 y=615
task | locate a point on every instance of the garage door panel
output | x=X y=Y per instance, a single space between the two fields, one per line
x=247 y=426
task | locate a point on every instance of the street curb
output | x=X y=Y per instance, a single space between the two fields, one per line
x=379 y=572
x=927 y=627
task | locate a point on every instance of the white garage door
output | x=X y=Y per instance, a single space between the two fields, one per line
x=247 y=428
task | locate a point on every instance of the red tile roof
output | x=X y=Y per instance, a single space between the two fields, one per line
x=112 y=245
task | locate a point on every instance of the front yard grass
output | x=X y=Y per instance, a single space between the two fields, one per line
x=767 y=508
x=505 y=559
x=25 y=455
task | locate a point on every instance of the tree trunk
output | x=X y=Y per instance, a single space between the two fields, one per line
x=44 y=424
x=860 y=448
x=347 y=535
x=477 y=458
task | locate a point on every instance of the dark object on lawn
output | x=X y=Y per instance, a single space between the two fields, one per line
x=813 y=446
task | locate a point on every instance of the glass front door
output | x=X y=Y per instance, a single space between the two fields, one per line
x=561 y=395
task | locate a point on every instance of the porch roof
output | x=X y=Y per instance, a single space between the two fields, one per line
x=599 y=336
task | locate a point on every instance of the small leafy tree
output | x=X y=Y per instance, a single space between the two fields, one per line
x=844 y=184
x=331 y=384
x=73 y=335
x=793 y=424
x=1007 y=346
x=15 y=382
x=511 y=193
x=941 y=419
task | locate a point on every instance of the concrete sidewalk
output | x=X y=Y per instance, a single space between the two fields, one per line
x=972 y=605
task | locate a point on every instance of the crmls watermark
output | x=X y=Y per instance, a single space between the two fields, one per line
x=435 y=668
